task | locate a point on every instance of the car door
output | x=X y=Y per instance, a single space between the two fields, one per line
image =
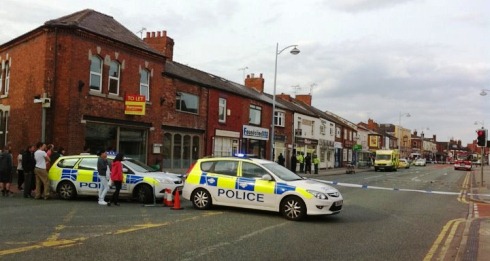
x=88 y=181
x=220 y=180
x=258 y=192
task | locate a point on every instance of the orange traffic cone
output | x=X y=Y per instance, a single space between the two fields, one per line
x=177 y=201
x=167 y=198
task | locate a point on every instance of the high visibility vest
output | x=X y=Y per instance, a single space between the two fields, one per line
x=300 y=158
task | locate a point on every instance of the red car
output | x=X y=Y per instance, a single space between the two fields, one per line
x=462 y=164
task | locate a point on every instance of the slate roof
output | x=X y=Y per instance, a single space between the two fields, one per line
x=101 y=24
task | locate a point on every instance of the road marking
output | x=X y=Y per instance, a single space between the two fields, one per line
x=445 y=233
x=54 y=241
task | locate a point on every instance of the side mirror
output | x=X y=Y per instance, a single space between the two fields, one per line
x=267 y=177
x=125 y=170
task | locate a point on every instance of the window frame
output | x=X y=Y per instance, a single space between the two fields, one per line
x=279 y=118
x=145 y=85
x=222 y=110
x=7 y=78
x=252 y=108
x=94 y=73
x=117 y=78
x=180 y=98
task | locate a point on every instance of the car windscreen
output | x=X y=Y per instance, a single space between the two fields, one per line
x=281 y=172
x=138 y=166
x=383 y=157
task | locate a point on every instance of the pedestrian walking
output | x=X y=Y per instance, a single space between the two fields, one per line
x=29 y=164
x=102 y=167
x=41 y=174
x=5 y=172
x=20 y=171
x=293 y=162
x=116 y=177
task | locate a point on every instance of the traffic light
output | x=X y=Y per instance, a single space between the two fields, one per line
x=482 y=137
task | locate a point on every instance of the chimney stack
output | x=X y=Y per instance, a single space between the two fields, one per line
x=161 y=42
x=306 y=98
x=255 y=83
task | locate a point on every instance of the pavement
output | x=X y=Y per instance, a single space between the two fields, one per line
x=475 y=239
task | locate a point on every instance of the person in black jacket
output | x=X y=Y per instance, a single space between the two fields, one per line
x=5 y=172
x=28 y=164
x=293 y=162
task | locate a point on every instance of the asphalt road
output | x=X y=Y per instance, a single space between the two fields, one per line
x=377 y=223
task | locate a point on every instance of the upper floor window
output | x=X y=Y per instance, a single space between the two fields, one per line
x=255 y=114
x=145 y=84
x=95 y=73
x=187 y=102
x=222 y=110
x=5 y=79
x=114 y=77
x=279 y=118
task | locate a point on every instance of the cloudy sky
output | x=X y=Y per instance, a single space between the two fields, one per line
x=360 y=59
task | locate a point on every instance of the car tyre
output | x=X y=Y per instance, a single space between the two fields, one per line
x=201 y=199
x=293 y=208
x=144 y=193
x=66 y=190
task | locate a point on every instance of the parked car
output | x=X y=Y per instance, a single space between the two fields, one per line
x=72 y=176
x=420 y=162
x=403 y=164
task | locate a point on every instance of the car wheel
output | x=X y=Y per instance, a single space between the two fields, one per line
x=201 y=199
x=66 y=190
x=144 y=193
x=293 y=208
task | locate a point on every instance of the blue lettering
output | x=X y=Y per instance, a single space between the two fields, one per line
x=241 y=195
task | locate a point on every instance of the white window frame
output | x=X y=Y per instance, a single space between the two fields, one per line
x=112 y=78
x=279 y=118
x=94 y=73
x=255 y=108
x=222 y=110
x=145 y=86
x=7 y=78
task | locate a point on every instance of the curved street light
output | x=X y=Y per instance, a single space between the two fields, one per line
x=294 y=51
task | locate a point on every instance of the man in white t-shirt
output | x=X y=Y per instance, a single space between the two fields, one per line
x=40 y=170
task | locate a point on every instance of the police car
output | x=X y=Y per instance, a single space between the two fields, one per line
x=258 y=184
x=72 y=176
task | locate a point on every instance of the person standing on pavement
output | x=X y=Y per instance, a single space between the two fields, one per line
x=5 y=172
x=293 y=162
x=102 y=167
x=280 y=159
x=308 y=163
x=116 y=177
x=301 y=161
x=41 y=174
x=29 y=164
x=20 y=171
x=316 y=161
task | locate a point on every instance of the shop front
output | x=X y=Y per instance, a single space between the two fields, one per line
x=306 y=146
x=226 y=143
x=181 y=147
x=254 y=141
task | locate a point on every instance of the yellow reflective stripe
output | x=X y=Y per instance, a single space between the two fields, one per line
x=303 y=192
x=85 y=176
x=226 y=182
x=264 y=186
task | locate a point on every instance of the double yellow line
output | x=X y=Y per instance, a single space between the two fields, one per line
x=444 y=240
x=465 y=188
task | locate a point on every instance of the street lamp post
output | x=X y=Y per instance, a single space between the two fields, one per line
x=294 y=51
x=400 y=128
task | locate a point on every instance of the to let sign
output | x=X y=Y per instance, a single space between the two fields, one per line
x=135 y=105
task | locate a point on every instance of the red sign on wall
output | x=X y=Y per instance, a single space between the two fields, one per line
x=135 y=104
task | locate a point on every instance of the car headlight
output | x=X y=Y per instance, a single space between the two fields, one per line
x=317 y=194
x=161 y=180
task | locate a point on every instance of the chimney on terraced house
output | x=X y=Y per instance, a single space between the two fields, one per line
x=255 y=83
x=161 y=42
x=306 y=98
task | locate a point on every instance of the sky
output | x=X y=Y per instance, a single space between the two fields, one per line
x=360 y=59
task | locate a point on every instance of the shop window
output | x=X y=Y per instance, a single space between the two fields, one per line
x=145 y=84
x=95 y=73
x=187 y=102
x=255 y=114
x=167 y=151
x=114 y=77
x=179 y=151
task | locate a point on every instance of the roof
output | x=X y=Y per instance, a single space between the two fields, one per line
x=101 y=24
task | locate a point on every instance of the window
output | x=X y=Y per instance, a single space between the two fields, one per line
x=187 y=102
x=7 y=78
x=88 y=163
x=226 y=168
x=255 y=115
x=222 y=110
x=114 y=74
x=145 y=84
x=323 y=127
x=279 y=118
x=250 y=170
x=95 y=73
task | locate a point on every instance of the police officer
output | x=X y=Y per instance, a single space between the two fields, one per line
x=316 y=161
x=301 y=161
